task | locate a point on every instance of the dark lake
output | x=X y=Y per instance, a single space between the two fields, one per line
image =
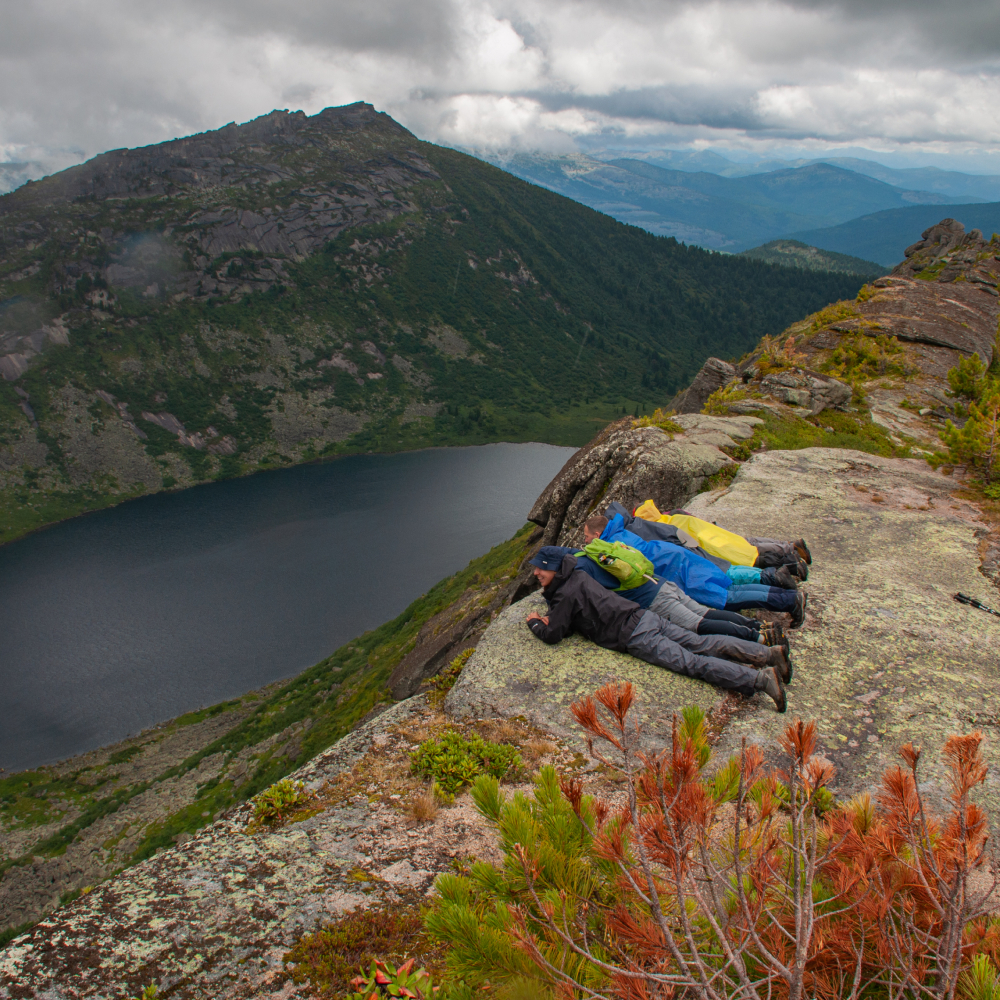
x=115 y=621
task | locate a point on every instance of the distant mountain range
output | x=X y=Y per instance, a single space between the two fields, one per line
x=712 y=210
x=952 y=183
x=883 y=236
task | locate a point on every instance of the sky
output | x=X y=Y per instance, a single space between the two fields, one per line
x=908 y=84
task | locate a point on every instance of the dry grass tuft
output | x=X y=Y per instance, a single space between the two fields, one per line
x=501 y=731
x=539 y=748
x=424 y=807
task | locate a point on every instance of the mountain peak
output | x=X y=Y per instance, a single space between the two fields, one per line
x=224 y=157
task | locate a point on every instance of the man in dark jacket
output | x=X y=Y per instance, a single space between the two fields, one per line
x=578 y=603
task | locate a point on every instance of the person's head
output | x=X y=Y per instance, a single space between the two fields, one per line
x=546 y=562
x=593 y=527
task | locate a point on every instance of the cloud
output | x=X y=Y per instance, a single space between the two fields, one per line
x=79 y=78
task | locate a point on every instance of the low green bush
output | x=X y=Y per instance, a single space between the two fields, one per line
x=662 y=419
x=859 y=357
x=276 y=804
x=329 y=957
x=454 y=760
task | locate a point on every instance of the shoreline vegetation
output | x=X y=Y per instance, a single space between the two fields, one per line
x=19 y=519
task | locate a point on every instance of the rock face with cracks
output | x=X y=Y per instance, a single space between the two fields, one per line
x=631 y=464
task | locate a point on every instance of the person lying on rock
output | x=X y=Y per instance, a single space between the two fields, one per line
x=668 y=601
x=738 y=549
x=698 y=577
x=650 y=529
x=578 y=603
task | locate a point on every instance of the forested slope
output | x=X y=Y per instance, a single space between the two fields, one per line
x=297 y=288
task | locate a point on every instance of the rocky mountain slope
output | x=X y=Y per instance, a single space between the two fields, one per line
x=298 y=288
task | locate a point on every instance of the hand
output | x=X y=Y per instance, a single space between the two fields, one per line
x=535 y=616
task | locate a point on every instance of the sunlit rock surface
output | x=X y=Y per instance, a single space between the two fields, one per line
x=513 y=673
x=886 y=655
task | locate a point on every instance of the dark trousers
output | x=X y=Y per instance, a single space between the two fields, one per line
x=729 y=623
x=771 y=552
x=654 y=641
x=756 y=595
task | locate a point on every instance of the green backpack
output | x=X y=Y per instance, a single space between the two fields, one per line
x=627 y=565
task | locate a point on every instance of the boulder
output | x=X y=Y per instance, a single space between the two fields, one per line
x=631 y=465
x=811 y=390
x=514 y=674
x=714 y=374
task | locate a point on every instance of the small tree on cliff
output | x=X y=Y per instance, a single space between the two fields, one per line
x=977 y=443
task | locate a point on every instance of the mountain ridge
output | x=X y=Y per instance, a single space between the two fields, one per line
x=884 y=236
x=299 y=288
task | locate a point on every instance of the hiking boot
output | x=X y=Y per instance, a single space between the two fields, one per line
x=799 y=569
x=802 y=551
x=782 y=663
x=799 y=611
x=769 y=682
x=774 y=635
x=783 y=578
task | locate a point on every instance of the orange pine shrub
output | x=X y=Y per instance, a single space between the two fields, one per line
x=753 y=884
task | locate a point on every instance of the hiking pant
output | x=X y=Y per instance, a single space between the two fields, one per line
x=751 y=574
x=673 y=604
x=756 y=595
x=771 y=552
x=729 y=623
x=726 y=647
x=651 y=641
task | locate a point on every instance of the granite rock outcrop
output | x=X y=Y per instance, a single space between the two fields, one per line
x=630 y=464
x=885 y=655
x=714 y=374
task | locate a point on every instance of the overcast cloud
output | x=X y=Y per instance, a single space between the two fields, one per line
x=914 y=83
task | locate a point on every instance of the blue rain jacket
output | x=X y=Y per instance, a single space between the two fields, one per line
x=697 y=577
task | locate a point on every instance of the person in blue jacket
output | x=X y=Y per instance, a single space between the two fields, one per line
x=784 y=576
x=697 y=577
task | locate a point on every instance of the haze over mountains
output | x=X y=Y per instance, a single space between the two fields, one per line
x=731 y=212
x=951 y=183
